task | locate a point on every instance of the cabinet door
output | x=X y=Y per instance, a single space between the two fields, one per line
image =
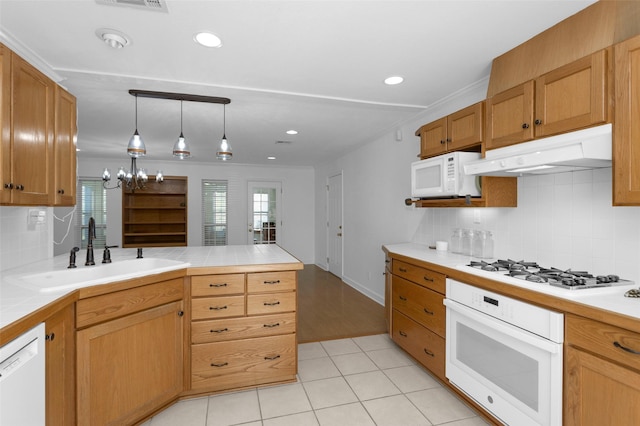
x=572 y=97
x=130 y=366
x=433 y=138
x=65 y=148
x=60 y=368
x=387 y=293
x=465 y=127
x=510 y=116
x=626 y=132
x=31 y=135
x=5 y=124
x=599 y=392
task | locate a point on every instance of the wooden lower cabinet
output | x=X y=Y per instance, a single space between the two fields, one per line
x=418 y=315
x=601 y=375
x=243 y=330
x=240 y=363
x=60 y=361
x=130 y=366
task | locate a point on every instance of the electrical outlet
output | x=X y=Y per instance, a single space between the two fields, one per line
x=477 y=216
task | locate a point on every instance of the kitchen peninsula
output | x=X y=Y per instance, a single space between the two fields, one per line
x=215 y=319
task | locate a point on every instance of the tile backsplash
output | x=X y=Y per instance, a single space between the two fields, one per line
x=562 y=220
x=22 y=242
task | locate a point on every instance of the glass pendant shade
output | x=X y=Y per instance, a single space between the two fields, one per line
x=180 y=148
x=224 y=150
x=136 y=148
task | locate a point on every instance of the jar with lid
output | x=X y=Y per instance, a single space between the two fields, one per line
x=466 y=242
x=456 y=241
x=482 y=245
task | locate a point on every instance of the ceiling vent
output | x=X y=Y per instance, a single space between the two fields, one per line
x=157 y=5
x=283 y=142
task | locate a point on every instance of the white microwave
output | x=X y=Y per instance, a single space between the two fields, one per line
x=443 y=176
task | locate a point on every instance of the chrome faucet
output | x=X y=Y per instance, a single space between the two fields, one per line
x=90 y=237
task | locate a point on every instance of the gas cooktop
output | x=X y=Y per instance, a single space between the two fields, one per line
x=534 y=273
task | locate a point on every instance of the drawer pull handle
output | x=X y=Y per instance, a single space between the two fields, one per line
x=618 y=345
x=218 y=285
x=404 y=299
x=217 y=308
x=428 y=352
x=272 y=282
x=428 y=279
x=213 y=364
x=222 y=330
x=271 y=303
x=428 y=312
x=272 y=357
x=402 y=269
x=402 y=333
x=272 y=325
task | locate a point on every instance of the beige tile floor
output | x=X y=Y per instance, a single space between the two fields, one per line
x=347 y=382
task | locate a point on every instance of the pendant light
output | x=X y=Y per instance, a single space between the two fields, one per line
x=224 y=150
x=136 y=147
x=180 y=148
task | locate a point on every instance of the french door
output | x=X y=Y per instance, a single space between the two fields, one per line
x=265 y=225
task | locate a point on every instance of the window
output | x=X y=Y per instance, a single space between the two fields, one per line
x=214 y=212
x=92 y=203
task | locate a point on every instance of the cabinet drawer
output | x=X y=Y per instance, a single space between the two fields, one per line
x=263 y=282
x=242 y=328
x=422 y=344
x=418 y=275
x=604 y=340
x=270 y=303
x=109 y=306
x=420 y=304
x=227 y=365
x=217 y=285
x=217 y=307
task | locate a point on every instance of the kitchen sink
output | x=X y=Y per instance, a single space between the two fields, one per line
x=69 y=279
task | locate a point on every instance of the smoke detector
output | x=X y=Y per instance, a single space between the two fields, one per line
x=157 y=5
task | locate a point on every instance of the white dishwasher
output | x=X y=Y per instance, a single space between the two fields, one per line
x=22 y=380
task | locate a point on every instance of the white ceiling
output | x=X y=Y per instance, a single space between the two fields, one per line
x=313 y=66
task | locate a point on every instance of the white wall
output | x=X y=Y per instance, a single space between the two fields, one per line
x=297 y=203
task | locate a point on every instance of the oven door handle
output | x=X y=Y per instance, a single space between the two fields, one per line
x=504 y=328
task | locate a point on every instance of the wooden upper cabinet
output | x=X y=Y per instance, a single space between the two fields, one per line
x=573 y=96
x=460 y=130
x=31 y=134
x=5 y=123
x=626 y=131
x=568 y=98
x=509 y=116
x=65 y=148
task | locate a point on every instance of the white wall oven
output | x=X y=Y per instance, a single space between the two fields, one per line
x=505 y=354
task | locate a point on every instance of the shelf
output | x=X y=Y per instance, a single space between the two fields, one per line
x=496 y=192
x=156 y=216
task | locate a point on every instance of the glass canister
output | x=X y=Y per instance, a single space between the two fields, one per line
x=456 y=241
x=482 y=245
x=467 y=241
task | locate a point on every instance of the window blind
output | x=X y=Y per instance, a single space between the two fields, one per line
x=214 y=212
x=92 y=202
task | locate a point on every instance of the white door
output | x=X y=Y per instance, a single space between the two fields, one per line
x=265 y=225
x=334 y=225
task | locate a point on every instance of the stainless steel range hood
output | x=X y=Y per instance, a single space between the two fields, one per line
x=580 y=150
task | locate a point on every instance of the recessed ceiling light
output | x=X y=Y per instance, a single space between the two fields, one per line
x=271 y=158
x=396 y=79
x=292 y=132
x=207 y=39
x=113 y=38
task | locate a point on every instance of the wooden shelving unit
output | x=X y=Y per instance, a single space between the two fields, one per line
x=156 y=216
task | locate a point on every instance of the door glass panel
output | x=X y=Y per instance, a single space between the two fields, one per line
x=264 y=221
x=508 y=368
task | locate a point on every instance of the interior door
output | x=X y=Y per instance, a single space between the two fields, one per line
x=264 y=223
x=334 y=225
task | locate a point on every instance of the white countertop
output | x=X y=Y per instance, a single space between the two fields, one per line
x=17 y=300
x=607 y=298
